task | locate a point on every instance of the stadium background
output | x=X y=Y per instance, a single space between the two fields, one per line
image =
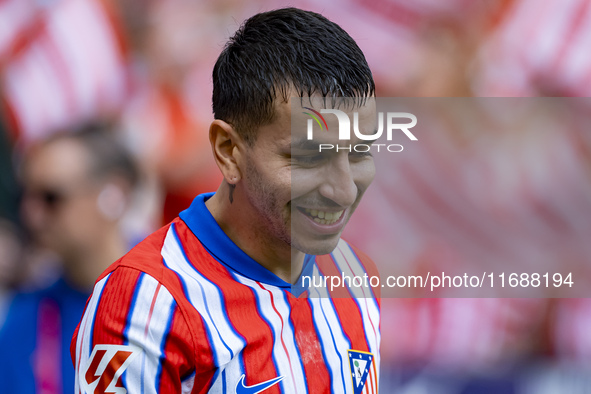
x=146 y=65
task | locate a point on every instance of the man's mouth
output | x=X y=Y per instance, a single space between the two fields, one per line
x=322 y=217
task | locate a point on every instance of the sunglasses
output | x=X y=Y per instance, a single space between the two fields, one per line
x=51 y=199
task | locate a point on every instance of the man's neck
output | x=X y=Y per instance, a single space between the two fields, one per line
x=239 y=225
x=83 y=268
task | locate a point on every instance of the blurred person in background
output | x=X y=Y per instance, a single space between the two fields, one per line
x=11 y=253
x=77 y=187
x=10 y=237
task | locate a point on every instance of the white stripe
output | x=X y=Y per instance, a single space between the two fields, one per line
x=576 y=66
x=294 y=381
x=348 y=263
x=146 y=365
x=268 y=313
x=351 y=267
x=187 y=384
x=206 y=299
x=328 y=325
x=90 y=55
x=228 y=377
x=367 y=304
x=549 y=38
x=296 y=374
x=15 y=15
x=34 y=90
x=83 y=340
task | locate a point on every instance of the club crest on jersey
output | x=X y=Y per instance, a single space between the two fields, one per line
x=104 y=368
x=363 y=374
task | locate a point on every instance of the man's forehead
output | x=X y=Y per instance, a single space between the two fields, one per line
x=60 y=159
x=345 y=104
x=312 y=113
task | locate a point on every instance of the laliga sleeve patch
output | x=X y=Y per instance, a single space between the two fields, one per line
x=104 y=368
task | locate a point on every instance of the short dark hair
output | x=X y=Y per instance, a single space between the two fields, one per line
x=107 y=155
x=276 y=51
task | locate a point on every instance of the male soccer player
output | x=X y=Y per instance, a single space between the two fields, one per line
x=205 y=305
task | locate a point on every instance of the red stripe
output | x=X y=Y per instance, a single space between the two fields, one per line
x=368 y=266
x=241 y=308
x=364 y=300
x=281 y=334
x=326 y=267
x=115 y=19
x=60 y=71
x=368 y=384
x=112 y=32
x=25 y=38
x=346 y=308
x=374 y=376
x=317 y=374
x=152 y=309
x=179 y=359
x=114 y=307
x=11 y=120
x=187 y=345
x=113 y=15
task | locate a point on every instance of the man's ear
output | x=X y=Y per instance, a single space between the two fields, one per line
x=113 y=199
x=227 y=147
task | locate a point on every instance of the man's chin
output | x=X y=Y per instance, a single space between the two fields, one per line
x=316 y=246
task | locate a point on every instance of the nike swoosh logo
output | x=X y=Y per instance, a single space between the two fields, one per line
x=257 y=388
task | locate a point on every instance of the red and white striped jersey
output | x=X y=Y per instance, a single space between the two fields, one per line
x=188 y=311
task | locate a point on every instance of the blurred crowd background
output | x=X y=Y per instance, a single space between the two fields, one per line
x=104 y=112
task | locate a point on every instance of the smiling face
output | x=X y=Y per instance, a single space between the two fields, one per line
x=301 y=196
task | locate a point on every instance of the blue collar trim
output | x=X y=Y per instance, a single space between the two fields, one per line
x=201 y=222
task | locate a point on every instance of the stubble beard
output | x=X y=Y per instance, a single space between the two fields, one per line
x=262 y=196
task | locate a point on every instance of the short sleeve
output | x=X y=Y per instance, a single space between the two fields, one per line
x=132 y=335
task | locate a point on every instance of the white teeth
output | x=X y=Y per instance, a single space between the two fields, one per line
x=323 y=217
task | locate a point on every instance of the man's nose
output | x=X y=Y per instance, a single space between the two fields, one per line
x=33 y=214
x=338 y=183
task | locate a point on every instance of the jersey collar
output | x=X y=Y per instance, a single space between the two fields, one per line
x=201 y=223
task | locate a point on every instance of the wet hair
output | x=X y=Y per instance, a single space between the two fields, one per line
x=277 y=52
